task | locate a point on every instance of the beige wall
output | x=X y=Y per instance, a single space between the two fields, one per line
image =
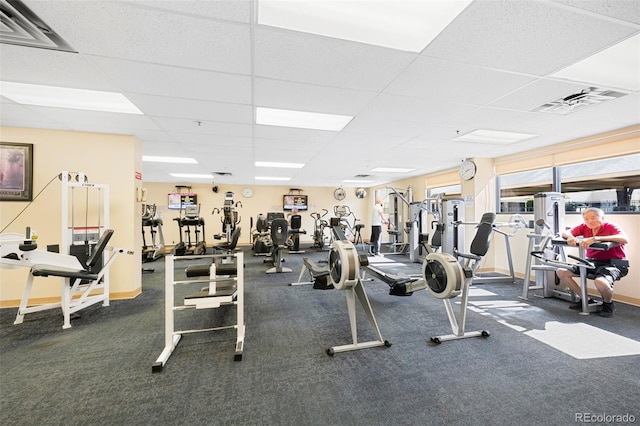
x=265 y=199
x=105 y=159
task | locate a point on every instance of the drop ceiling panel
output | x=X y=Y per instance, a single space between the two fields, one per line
x=453 y=82
x=94 y=121
x=63 y=69
x=292 y=134
x=626 y=10
x=178 y=125
x=236 y=10
x=307 y=97
x=368 y=142
x=531 y=37
x=405 y=108
x=13 y=113
x=369 y=123
x=493 y=119
x=162 y=148
x=216 y=142
x=123 y=30
x=162 y=106
x=143 y=78
x=306 y=58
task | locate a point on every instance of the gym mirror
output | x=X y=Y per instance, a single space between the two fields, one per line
x=361 y=193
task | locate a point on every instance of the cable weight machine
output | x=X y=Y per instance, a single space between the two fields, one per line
x=80 y=241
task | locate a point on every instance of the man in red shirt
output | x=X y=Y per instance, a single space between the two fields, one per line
x=610 y=265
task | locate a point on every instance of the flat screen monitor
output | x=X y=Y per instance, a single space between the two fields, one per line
x=179 y=201
x=297 y=201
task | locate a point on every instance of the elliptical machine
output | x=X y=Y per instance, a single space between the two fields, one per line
x=229 y=218
x=149 y=219
x=319 y=238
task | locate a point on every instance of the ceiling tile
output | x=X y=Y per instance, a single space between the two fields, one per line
x=306 y=58
x=531 y=37
x=180 y=82
x=123 y=30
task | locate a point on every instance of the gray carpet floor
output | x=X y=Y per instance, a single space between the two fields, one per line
x=99 y=371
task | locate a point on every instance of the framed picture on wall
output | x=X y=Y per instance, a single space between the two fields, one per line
x=16 y=171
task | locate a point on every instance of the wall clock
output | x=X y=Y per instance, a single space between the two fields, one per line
x=339 y=194
x=247 y=192
x=467 y=170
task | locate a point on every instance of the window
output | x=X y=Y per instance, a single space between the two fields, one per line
x=612 y=184
x=444 y=190
x=516 y=190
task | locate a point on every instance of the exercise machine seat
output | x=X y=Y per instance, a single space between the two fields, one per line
x=85 y=274
x=229 y=246
x=482 y=239
x=296 y=223
x=279 y=230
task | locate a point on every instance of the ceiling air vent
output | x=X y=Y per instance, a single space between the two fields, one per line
x=579 y=101
x=362 y=176
x=222 y=173
x=22 y=27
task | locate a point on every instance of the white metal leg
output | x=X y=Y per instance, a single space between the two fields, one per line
x=351 y=293
x=210 y=298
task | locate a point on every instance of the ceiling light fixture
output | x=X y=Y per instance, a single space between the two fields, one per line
x=495 y=137
x=408 y=25
x=177 y=160
x=281 y=165
x=391 y=170
x=301 y=119
x=617 y=66
x=64 y=97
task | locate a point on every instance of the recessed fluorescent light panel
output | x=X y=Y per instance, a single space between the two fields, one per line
x=62 y=97
x=494 y=137
x=280 y=165
x=301 y=119
x=177 y=160
x=192 y=175
x=272 y=178
x=391 y=170
x=406 y=25
x=617 y=66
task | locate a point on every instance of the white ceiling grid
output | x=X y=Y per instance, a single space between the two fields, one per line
x=198 y=69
